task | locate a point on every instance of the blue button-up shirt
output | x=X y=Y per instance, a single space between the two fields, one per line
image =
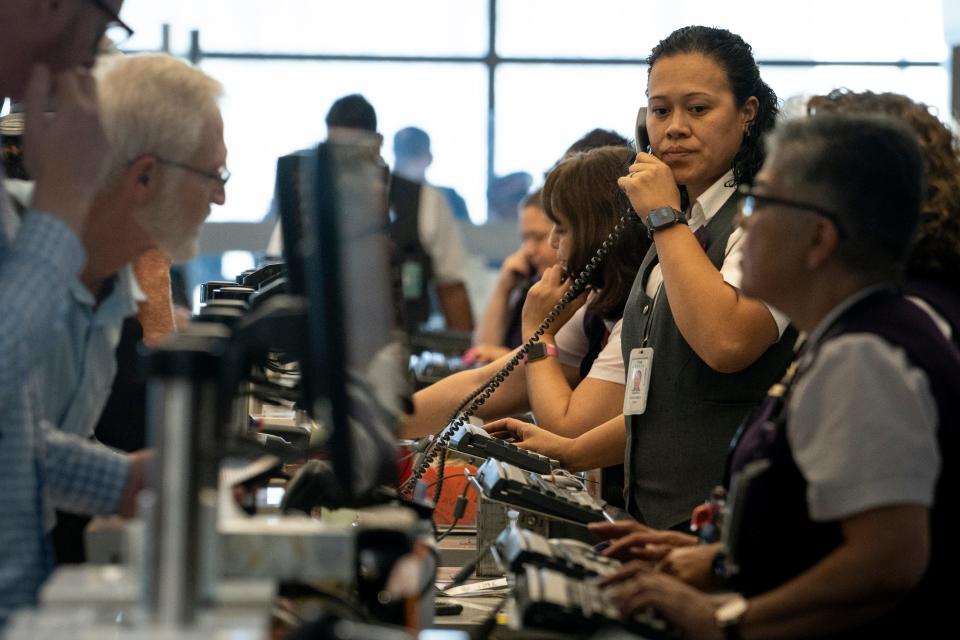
x=77 y=374
x=40 y=468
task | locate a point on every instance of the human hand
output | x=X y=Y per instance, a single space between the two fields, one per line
x=693 y=564
x=626 y=572
x=66 y=152
x=690 y=612
x=650 y=185
x=632 y=540
x=543 y=296
x=140 y=462
x=515 y=268
x=530 y=436
x=483 y=353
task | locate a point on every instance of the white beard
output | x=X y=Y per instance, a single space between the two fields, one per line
x=183 y=250
x=173 y=236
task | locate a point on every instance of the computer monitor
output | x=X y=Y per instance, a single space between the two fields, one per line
x=287 y=189
x=340 y=260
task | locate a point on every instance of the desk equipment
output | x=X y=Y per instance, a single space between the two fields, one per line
x=472 y=440
x=338 y=325
x=516 y=548
x=530 y=491
x=549 y=599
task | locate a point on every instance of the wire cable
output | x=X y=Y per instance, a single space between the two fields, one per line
x=472 y=403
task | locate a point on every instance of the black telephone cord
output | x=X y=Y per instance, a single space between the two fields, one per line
x=482 y=393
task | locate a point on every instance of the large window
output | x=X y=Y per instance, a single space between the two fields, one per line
x=275 y=107
x=552 y=70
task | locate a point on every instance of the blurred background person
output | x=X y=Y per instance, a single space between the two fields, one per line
x=412 y=156
x=499 y=331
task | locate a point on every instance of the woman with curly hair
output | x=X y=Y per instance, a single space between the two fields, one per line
x=933 y=267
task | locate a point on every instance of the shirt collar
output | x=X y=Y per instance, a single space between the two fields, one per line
x=120 y=303
x=711 y=200
x=824 y=325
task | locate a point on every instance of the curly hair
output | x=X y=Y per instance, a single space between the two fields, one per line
x=936 y=249
x=736 y=58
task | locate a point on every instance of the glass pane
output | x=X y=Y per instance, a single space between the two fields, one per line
x=384 y=27
x=930 y=85
x=273 y=108
x=146 y=17
x=572 y=28
x=542 y=109
x=854 y=30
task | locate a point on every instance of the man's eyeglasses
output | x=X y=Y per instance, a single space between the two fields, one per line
x=116 y=29
x=750 y=201
x=221 y=175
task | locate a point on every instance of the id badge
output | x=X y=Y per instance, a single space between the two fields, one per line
x=411 y=280
x=638 y=381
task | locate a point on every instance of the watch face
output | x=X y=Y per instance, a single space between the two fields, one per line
x=729 y=613
x=537 y=351
x=662 y=217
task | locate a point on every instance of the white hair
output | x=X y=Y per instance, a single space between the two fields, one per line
x=153 y=104
x=156 y=104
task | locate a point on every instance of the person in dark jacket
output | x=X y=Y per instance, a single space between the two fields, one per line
x=841 y=479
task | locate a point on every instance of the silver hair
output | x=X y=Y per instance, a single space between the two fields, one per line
x=153 y=104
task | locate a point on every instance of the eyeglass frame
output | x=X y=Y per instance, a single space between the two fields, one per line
x=745 y=192
x=114 y=17
x=221 y=175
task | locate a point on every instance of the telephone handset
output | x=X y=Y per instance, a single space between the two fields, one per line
x=643 y=144
x=479 y=396
x=642 y=140
x=526 y=277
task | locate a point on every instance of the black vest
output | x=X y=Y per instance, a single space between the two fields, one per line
x=415 y=265
x=940 y=294
x=677 y=448
x=611 y=478
x=776 y=540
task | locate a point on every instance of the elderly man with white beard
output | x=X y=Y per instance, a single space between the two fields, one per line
x=165 y=169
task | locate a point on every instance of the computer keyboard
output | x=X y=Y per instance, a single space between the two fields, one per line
x=518 y=547
x=548 y=599
x=527 y=490
x=474 y=441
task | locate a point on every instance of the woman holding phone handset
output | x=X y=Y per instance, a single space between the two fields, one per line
x=702 y=352
x=575 y=377
x=698 y=353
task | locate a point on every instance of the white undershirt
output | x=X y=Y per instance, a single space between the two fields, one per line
x=702 y=211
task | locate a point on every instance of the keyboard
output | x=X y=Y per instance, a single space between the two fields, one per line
x=548 y=599
x=474 y=441
x=528 y=490
x=518 y=547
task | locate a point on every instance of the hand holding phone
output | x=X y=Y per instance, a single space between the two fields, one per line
x=515 y=268
x=543 y=296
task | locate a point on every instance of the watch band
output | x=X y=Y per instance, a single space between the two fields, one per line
x=539 y=351
x=732 y=631
x=663 y=217
x=729 y=615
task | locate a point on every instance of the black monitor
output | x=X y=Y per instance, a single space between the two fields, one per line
x=287 y=192
x=334 y=215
